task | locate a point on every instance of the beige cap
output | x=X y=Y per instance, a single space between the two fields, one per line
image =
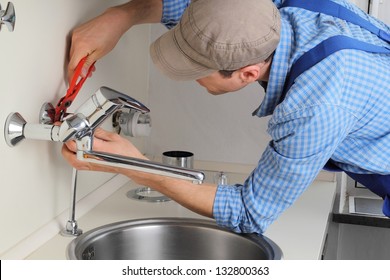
x=217 y=35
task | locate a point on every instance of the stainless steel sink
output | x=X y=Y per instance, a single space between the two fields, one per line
x=169 y=238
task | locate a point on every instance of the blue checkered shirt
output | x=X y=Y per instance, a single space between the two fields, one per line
x=338 y=109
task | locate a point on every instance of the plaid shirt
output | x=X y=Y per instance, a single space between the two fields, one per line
x=338 y=109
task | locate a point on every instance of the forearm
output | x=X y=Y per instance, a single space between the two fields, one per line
x=137 y=12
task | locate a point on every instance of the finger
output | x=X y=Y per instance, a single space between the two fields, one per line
x=88 y=64
x=77 y=53
x=85 y=71
x=71 y=146
x=106 y=141
x=93 y=69
x=71 y=158
x=73 y=62
x=105 y=135
x=66 y=152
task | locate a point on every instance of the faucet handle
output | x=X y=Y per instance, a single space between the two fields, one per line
x=106 y=101
x=127 y=101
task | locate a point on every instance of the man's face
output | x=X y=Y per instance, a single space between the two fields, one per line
x=217 y=84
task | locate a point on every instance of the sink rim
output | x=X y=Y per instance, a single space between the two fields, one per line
x=87 y=238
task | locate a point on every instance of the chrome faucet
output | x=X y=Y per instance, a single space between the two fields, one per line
x=80 y=127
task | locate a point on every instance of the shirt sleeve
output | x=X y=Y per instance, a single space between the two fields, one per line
x=287 y=167
x=172 y=11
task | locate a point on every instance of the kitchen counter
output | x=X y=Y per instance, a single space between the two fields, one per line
x=300 y=231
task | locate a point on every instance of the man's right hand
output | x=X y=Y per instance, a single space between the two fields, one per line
x=100 y=35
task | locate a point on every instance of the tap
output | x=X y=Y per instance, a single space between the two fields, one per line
x=80 y=127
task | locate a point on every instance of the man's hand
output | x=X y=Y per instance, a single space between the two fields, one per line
x=94 y=39
x=100 y=35
x=104 y=141
x=198 y=198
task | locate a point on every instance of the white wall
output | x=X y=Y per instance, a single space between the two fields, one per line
x=35 y=180
x=378 y=8
x=215 y=128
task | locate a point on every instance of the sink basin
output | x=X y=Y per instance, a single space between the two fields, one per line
x=170 y=238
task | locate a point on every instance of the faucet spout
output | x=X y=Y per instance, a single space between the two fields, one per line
x=136 y=164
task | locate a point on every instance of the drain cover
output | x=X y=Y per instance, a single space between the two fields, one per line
x=147 y=194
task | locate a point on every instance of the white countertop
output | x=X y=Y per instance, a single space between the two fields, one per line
x=300 y=231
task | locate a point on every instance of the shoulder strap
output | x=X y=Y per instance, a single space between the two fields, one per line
x=333 y=9
x=324 y=49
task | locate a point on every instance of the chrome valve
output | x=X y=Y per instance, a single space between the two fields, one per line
x=81 y=126
x=8 y=17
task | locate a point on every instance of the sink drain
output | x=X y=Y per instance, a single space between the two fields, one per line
x=147 y=194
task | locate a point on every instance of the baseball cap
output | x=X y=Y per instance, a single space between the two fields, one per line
x=217 y=35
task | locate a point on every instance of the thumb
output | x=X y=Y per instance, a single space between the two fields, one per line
x=104 y=135
x=75 y=60
x=105 y=141
x=89 y=62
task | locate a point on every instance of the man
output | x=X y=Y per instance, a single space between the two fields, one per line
x=329 y=108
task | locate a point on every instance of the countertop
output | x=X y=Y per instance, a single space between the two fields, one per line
x=300 y=231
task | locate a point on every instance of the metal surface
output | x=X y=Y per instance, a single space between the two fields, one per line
x=46 y=114
x=170 y=238
x=181 y=159
x=147 y=166
x=13 y=129
x=178 y=158
x=71 y=228
x=132 y=123
x=8 y=17
x=147 y=194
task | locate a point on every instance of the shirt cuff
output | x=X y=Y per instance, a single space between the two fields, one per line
x=228 y=207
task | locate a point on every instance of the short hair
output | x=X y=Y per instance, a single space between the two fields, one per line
x=228 y=73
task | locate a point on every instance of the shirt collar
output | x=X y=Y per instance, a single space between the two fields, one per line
x=278 y=72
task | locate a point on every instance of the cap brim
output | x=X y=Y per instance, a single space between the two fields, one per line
x=169 y=58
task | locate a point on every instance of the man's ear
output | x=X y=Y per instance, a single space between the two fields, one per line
x=250 y=73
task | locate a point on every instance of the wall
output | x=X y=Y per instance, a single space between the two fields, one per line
x=377 y=8
x=35 y=180
x=215 y=128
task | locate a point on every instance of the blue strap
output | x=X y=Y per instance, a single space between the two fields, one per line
x=386 y=206
x=323 y=50
x=333 y=9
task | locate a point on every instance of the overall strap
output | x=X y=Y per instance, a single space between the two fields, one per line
x=333 y=9
x=324 y=49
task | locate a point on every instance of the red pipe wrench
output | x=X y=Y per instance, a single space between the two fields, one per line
x=74 y=88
